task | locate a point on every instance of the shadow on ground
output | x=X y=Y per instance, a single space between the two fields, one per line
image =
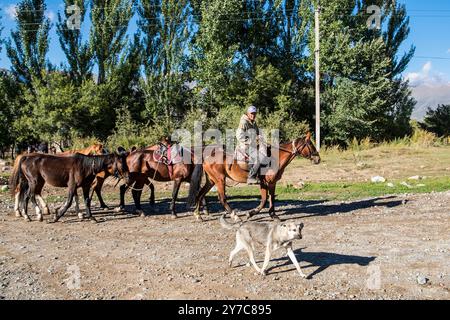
x=321 y=260
x=309 y=208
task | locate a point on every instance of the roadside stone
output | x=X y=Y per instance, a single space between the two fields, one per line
x=378 y=179
x=405 y=184
x=422 y=280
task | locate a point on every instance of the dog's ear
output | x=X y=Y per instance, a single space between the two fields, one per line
x=301 y=225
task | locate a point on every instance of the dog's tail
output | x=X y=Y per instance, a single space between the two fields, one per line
x=225 y=224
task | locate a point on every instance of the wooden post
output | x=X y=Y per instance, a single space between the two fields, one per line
x=317 y=56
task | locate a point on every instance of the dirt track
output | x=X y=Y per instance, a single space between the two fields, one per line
x=369 y=249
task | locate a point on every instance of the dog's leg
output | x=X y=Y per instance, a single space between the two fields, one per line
x=266 y=259
x=252 y=257
x=291 y=255
x=239 y=246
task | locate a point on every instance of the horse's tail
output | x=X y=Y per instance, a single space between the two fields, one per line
x=16 y=180
x=225 y=224
x=194 y=189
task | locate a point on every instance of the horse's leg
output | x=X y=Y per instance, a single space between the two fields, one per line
x=123 y=190
x=203 y=200
x=263 y=188
x=32 y=185
x=152 y=194
x=77 y=203
x=98 y=185
x=36 y=199
x=201 y=197
x=43 y=203
x=71 y=194
x=223 y=200
x=272 y=202
x=87 y=201
x=176 y=188
x=17 y=204
x=24 y=209
x=205 y=206
x=137 y=192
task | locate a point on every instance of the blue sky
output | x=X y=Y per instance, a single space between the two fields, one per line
x=430 y=33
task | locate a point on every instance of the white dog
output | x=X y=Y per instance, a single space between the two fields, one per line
x=272 y=235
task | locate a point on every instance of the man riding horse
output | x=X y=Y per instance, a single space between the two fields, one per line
x=249 y=138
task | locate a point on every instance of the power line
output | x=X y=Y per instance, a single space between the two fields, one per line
x=430 y=58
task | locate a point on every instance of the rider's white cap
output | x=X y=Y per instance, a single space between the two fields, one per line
x=251 y=109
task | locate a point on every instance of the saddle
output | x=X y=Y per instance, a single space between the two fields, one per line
x=242 y=158
x=169 y=155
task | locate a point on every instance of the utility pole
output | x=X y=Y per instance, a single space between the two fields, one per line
x=317 y=54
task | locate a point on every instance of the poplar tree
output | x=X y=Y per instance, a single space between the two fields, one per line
x=78 y=54
x=108 y=37
x=29 y=46
x=166 y=31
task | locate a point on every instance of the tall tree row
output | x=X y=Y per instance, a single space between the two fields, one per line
x=211 y=56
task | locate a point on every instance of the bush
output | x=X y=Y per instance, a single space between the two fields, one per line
x=289 y=129
x=438 y=121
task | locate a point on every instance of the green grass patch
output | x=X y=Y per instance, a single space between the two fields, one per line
x=349 y=190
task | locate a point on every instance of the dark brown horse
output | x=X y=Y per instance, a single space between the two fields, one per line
x=72 y=172
x=219 y=167
x=95 y=149
x=143 y=168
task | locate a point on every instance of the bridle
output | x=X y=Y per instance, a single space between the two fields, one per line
x=117 y=173
x=296 y=151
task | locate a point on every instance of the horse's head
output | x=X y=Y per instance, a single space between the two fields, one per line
x=306 y=149
x=119 y=168
x=98 y=149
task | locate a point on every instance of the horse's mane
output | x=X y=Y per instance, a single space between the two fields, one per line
x=92 y=162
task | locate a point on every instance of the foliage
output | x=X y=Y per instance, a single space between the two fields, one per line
x=30 y=44
x=438 y=121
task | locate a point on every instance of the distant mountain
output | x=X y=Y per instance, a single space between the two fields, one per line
x=429 y=96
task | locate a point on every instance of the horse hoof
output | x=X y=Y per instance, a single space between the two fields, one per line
x=174 y=216
x=275 y=217
x=81 y=216
x=40 y=219
x=139 y=213
x=250 y=214
x=104 y=208
x=235 y=217
x=17 y=214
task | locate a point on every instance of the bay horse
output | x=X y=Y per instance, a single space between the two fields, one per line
x=95 y=149
x=72 y=172
x=218 y=168
x=143 y=167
